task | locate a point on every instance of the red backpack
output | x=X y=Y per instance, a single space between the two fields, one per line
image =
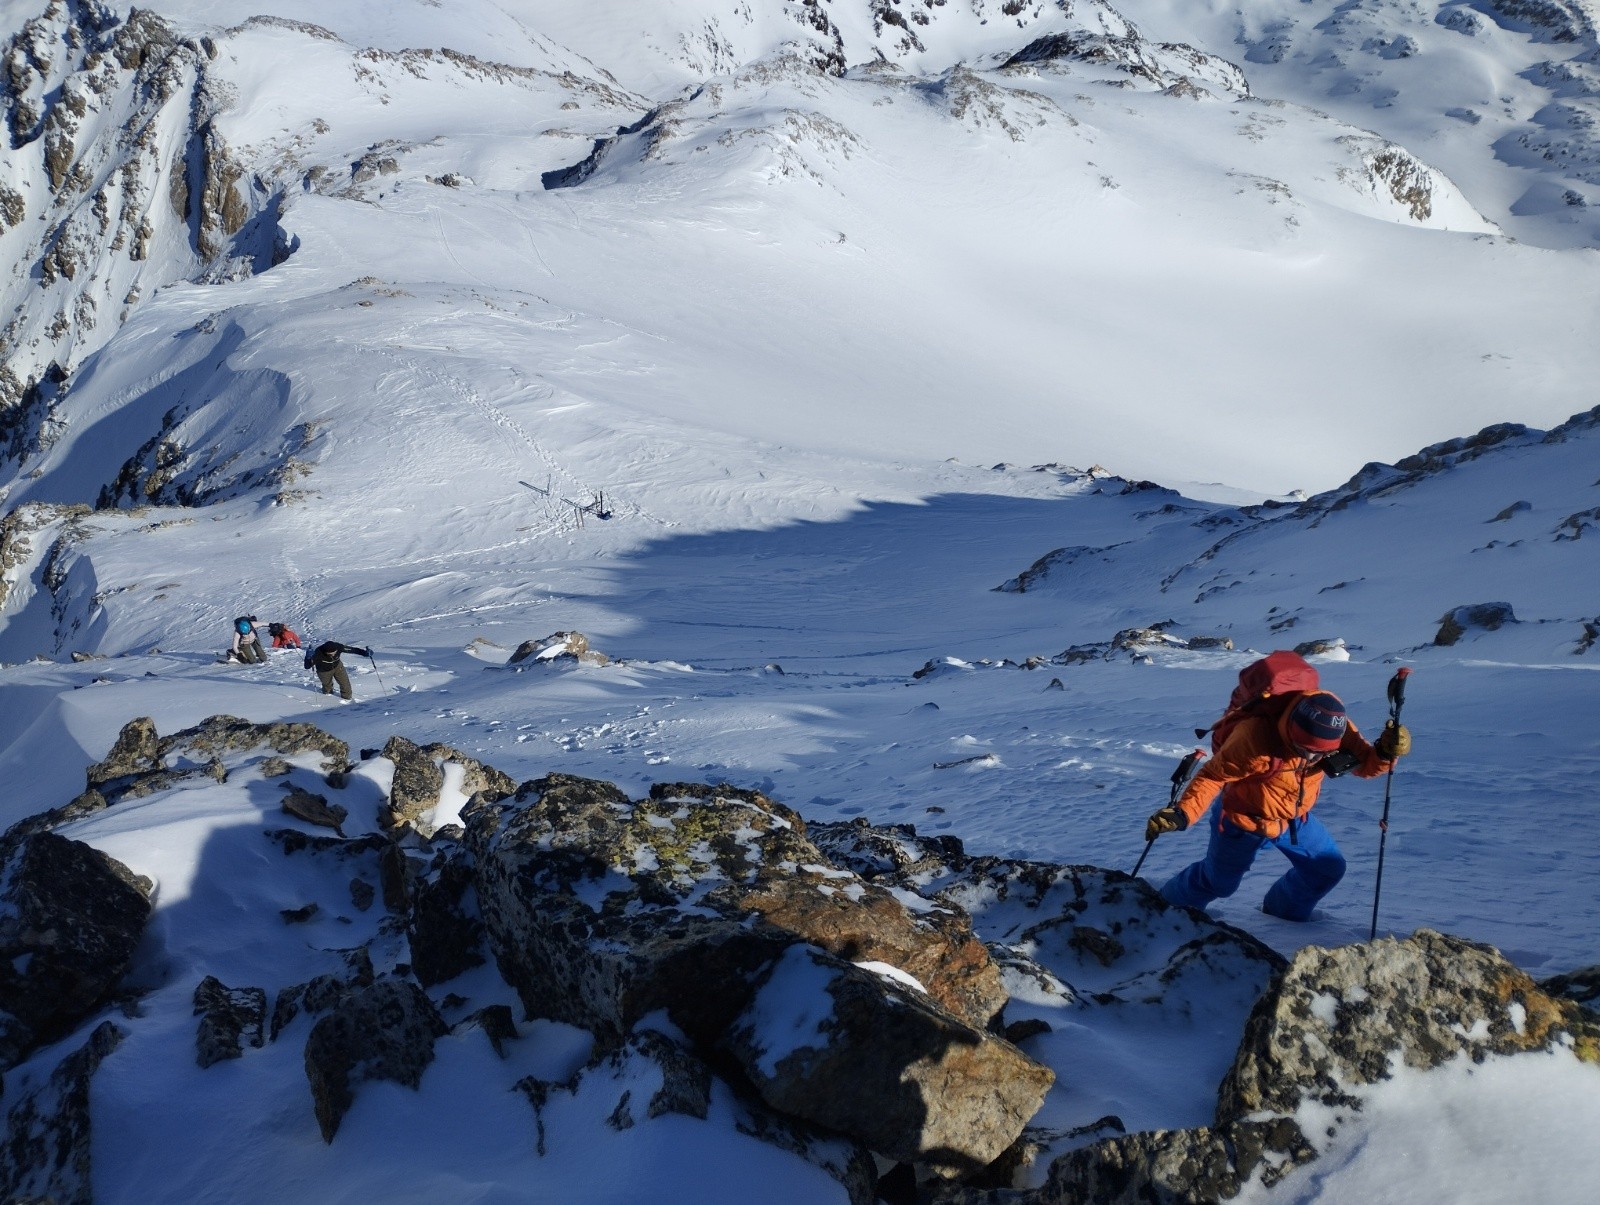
x=1264 y=689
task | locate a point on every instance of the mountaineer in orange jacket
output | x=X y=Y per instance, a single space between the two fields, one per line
x=283 y=636
x=1260 y=788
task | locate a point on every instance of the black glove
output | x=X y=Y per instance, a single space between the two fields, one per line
x=1394 y=742
x=362 y=652
x=1167 y=820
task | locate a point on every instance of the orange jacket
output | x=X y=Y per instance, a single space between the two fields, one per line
x=1263 y=782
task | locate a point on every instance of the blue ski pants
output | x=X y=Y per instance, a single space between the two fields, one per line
x=1315 y=867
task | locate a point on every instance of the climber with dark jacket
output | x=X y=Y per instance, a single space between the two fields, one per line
x=1259 y=788
x=325 y=659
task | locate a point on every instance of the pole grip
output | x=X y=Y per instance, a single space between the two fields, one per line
x=1397 y=690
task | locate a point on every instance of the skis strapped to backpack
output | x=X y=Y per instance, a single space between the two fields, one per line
x=1264 y=689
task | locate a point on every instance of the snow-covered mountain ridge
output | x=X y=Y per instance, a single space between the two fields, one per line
x=199 y=195
x=1502 y=95
x=1304 y=565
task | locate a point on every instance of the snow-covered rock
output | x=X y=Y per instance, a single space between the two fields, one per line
x=70 y=919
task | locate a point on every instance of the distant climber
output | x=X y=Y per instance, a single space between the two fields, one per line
x=1260 y=787
x=325 y=659
x=283 y=636
x=246 y=645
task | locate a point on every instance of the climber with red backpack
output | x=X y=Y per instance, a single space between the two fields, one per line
x=1280 y=737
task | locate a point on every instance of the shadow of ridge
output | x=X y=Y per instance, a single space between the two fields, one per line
x=890 y=574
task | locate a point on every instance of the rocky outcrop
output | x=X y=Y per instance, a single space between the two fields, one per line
x=826 y=1042
x=1335 y=1023
x=230 y=1019
x=315 y=809
x=142 y=762
x=1406 y=179
x=698 y=900
x=46 y=1153
x=19 y=527
x=419 y=781
x=556 y=649
x=833 y=989
x=1484 y=617
x=1338 y=1017
x=740 y=854
x=321 y=994
x=385 y=1030
x=446 y=933
x=137 y=751
x=1581 y=987
x=1176 y=69
x=70 y=919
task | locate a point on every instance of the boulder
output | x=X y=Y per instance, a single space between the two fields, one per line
x=1487 y=617
x=495 y=1022
x=230 y=1019
x=385 y=1030
x=601 y=910
x=558 y=648
x=419 y=781
x=314 y=809
x=1320 y=648
x=137 y=750
x=1337 y=1017
x=45 y=1156
x=322 y=993
x=842 y=1047
x=445 y=932
x=1333 y=1022
x=1582 y=987
x=416 y=785
x=70 y=919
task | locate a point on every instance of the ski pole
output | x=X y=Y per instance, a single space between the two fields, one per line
x=1179 y=777
x=1148 y=846
x=1397 y=698
x=382 y=689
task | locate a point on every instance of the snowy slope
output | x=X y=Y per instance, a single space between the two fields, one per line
x=1272 y=255
x=1502 y=95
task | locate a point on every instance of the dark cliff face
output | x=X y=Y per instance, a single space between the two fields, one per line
x=115 y=162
